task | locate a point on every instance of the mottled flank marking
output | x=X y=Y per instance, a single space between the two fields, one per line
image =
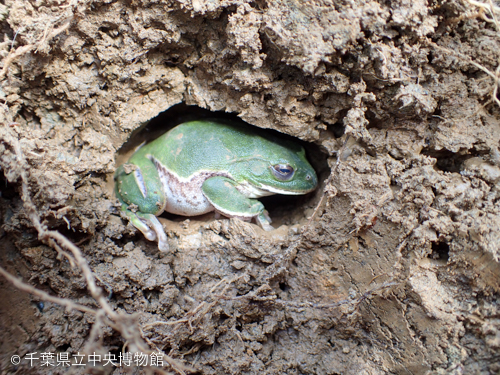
x=184 y=195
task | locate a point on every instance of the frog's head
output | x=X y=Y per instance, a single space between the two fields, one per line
x=284 y=169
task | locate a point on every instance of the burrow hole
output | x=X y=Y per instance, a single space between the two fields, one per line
x=283 y=209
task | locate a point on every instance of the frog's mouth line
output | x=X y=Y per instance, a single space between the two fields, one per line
x=273 y=190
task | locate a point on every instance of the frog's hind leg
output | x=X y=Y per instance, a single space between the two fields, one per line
x=142 y=199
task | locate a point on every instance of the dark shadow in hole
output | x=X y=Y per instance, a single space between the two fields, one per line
x=8 y=190
x=223 y=317
x=284 y=287
x=63 y=348
x=338 y=129
x=448 y=161
x=440 y=251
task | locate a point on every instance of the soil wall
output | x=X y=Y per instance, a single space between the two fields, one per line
x=390 y=266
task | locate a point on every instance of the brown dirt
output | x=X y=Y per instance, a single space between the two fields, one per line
x=391 y=266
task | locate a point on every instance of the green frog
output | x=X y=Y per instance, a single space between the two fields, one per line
x=210 y=165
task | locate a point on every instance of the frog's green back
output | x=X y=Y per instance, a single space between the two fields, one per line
x=208 y=145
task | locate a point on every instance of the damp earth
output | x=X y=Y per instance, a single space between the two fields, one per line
x=390 y=267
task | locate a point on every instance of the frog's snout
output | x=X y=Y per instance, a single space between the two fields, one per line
x=311 y=180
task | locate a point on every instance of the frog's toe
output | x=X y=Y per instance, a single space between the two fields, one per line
x=267 y=217
x=157 y=233
x=149 y=234
x=155 y=230
x=141 y=224
x=160 y=234
x=163 y=245
x=264 y=221
x=266 y=227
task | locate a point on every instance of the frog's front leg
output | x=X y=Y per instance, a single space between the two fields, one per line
x=140 y=185
x=222 y=193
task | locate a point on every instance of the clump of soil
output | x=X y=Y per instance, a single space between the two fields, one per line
x=390 y=266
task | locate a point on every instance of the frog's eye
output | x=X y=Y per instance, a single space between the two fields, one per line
x=283 y=172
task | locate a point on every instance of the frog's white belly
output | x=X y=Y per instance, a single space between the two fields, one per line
x=185 y=196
